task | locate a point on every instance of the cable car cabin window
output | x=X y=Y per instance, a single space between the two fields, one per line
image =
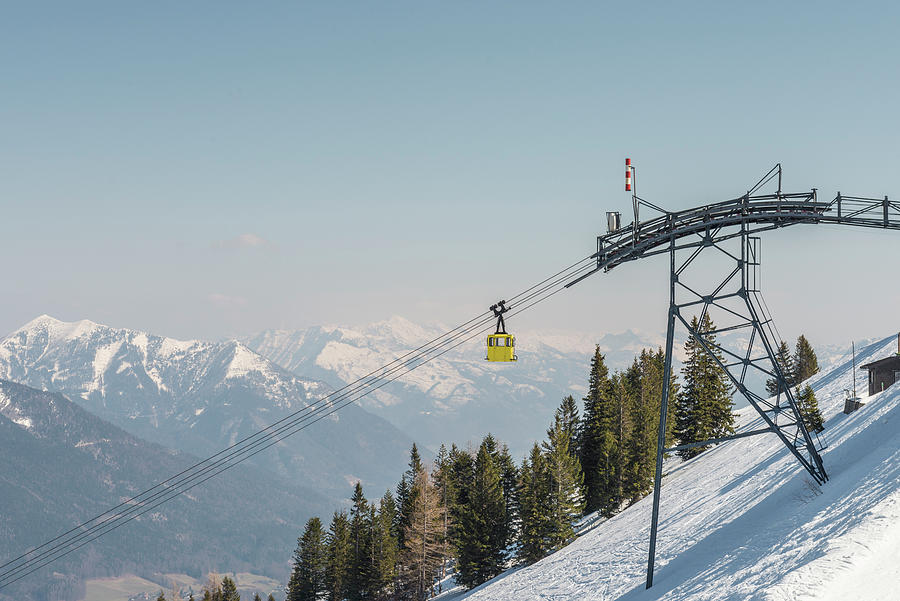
x=501 y=342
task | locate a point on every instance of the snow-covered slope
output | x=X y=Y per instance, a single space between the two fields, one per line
x=200 y=397
x=459 y=396
x=744 y=520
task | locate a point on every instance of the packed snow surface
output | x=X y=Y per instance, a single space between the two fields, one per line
x=745 y=521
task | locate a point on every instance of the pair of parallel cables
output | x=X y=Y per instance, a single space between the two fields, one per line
x=151 y=498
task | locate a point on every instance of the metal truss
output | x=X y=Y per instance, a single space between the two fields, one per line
x=721 y=239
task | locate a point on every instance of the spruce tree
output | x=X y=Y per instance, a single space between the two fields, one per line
x=359 y=575
x=595 y=431
x=703 y=405
x=809 y=409
x=535 y=507
x=806 y=364
x=308 y=578
x=644 y=381
x=406 y=500
x=462 y=470
x=565 y=498
x=256 y=597
x=161 y=597
x=786 y=362
x=483 y=532
x=566 y=418
x=509 y=482
x=338 y=557
x=229 y=590
x=385 y=547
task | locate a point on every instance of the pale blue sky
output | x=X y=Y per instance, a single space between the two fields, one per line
x=212 y=169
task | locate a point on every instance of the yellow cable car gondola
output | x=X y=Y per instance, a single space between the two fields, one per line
x=500 y=345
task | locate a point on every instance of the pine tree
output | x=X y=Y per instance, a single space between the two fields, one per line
x=482 y=549
x=565 y=498
x=161 y=597
x=703 y=405
x=806 y=364
x=809 y=409
x=308 y=578
x=271 y=597
x=256 y=597
x=535 y=507
x=786 y=362
x=595 y=431
x=338 y=557
x=229 y=590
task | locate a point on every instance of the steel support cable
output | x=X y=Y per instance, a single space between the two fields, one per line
x=141 y=502
x=112 y=526
x=311 y=409
x=279 y=434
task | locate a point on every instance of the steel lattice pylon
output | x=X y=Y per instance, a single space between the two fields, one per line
x=725 y=231
x=739 y=309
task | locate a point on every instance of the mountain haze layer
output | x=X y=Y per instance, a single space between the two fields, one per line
x=63 y=466
x=459 y=396
x=201 y=397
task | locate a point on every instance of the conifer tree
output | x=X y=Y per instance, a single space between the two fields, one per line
x=386 y=551
x=482 y=532
x=229 y=590
x=443 y=481
x=359 y=574
x=338 y=557
x=271 y=597
x=644 y=380
x=565 y=499
x=161 y=597
x=308 y=578
x=595 y=431
x=424 y=551
x=566 y=417
x=806 y=364
x=462 y=470
x=703 y=405
x=406 y=500
x=256 y=597
x=809 y=409
x=509 y=482
x=535 y=507
x=786 y=362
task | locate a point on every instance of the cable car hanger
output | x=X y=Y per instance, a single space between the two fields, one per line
x=501 y=346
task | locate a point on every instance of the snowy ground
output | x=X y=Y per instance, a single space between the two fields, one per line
x=745 y=521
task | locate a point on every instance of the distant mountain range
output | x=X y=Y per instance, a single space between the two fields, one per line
x=61 y=466
x=458 y=397
x=200 y=397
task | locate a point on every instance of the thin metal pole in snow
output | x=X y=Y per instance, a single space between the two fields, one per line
x=663 y=408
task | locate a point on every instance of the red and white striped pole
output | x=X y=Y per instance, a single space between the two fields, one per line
x=628 y=175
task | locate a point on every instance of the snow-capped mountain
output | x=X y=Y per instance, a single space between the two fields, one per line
x=63 y=465
x=201 y=397
x=745 y=521
x=459 y=396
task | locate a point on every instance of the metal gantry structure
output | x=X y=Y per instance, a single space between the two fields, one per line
x=714 y=259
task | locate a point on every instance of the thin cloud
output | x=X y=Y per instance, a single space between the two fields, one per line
x=248 y=240
x=224 y=300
